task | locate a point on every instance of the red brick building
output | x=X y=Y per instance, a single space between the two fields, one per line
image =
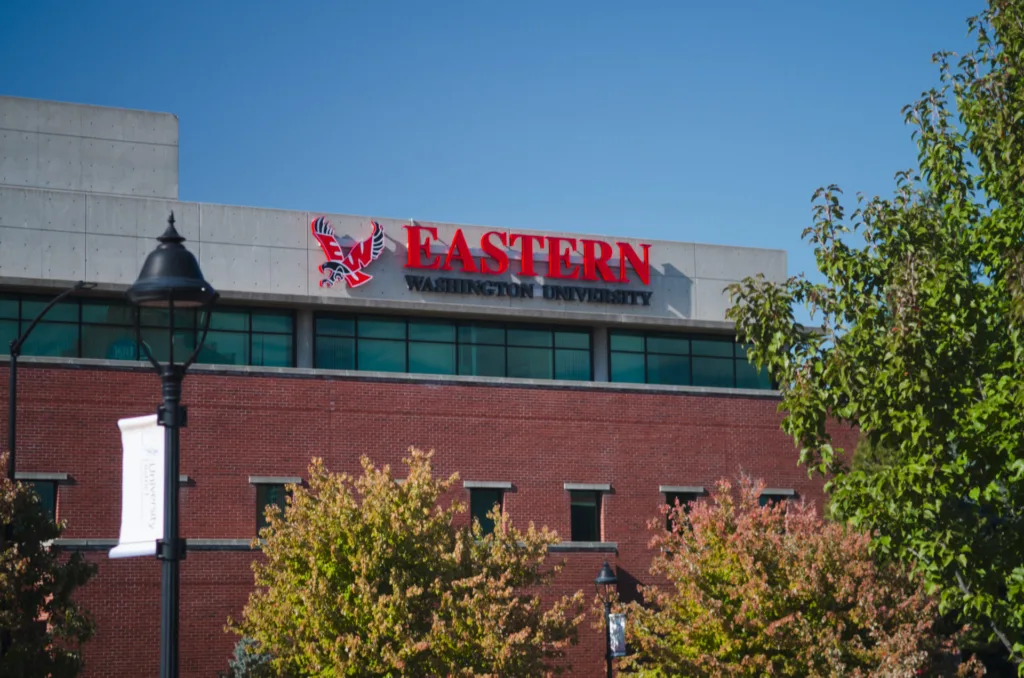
x=582 y=381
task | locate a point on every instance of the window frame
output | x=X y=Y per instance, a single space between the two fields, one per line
x=689 y=355
x=695 y=492
x=194 y=327
x=501 y=487
x=261 y=482
x=598 y=490
x=55 y=480
x=775 y=495
x=457 y=343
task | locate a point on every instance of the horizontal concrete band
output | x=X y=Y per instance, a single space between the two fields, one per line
x=487 y=485
x=247 y=545
x=398 y=377
x=275 y=480
x=683 y=489
x=779 y=492
x=595 y=487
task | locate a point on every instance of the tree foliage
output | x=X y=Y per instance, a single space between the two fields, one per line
x=920 y=345
x=368 y=577
x=40 y=625
x=774 y=590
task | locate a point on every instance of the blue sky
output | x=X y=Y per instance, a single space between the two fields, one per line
x=694 y=121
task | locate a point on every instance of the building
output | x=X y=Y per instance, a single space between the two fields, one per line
x=580 y=380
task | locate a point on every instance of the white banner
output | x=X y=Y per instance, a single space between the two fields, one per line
x=142 y=487
x=617 y=635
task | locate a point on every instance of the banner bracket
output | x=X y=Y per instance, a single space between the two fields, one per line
x=164 y=550
x=166 y=417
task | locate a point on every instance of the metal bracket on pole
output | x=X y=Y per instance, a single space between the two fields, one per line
x=163 y=550
x=166 y=418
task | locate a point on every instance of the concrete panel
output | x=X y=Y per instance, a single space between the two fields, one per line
x=19 y=158
x=141 y=217
x=61 y=256
x=120 y=124
x=111 y=258
x=236 y=267
x=734 y=263
x=59 y=118
x=60 y=162
x=19 y=114
x=42 y=210
x=288 y=271
x=710 y=299
x=127 y=168
x=41 y=254
x=103 y=123
x=251 y=226
x=151 y=128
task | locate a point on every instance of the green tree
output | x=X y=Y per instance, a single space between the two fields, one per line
x=368 y=577
x=775 y=590
x=41 y=627
x=920 y=343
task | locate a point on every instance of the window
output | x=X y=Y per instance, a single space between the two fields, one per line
x=585 y=508
x=683 y=495
x=771 y=496
x=697 y=360
x=267 y=495
x=46 y=490
x=481 y=503
x=44 y=485
x=105 y=329
x=428 y=346
x=271 y=490
x=483 y=495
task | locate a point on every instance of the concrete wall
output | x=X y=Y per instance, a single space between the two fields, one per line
x=63 y=218
x=46 y=144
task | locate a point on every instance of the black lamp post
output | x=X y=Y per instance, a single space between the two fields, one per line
x=604 y=584
x=171 y=279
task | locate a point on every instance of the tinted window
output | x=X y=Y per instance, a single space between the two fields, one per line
x=46 y=491
x=660 y=358
x=481 y=502
x=267 y=495
x=585 y=507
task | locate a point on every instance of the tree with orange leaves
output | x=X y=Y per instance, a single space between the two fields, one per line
x=774 y=590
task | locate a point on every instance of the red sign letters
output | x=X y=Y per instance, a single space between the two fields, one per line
x=596 y=264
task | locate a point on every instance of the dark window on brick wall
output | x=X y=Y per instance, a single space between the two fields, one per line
x=481 y=503
x=268 y=494
x=105 y=329
x=46 y=491
x=683 y=499
x=697 y=360
x=585 y=515
x=437 y=346
x=772 y=499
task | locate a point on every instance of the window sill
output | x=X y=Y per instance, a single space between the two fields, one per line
x=51 y=477
x=275 y=480
x=486 y=485
x=584 y=546
x=681 y=489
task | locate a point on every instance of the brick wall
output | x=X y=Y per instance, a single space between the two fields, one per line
x=241 y=425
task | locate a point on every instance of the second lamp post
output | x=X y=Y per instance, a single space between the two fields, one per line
x=171 y=280
x=604 y=584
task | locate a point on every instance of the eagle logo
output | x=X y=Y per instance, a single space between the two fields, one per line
x=348 y=267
